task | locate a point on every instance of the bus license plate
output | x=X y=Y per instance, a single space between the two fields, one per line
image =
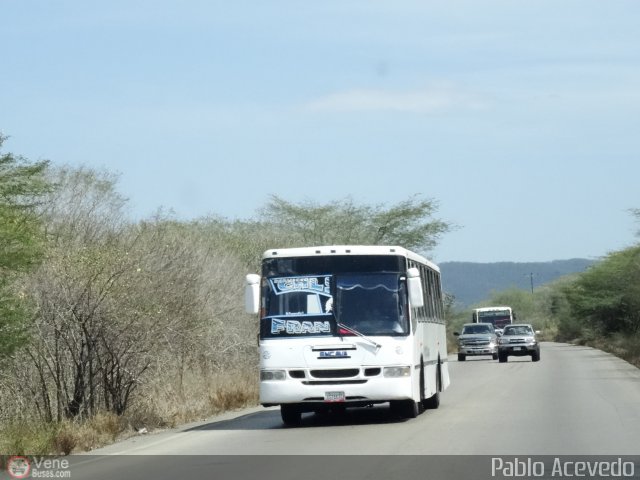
x=331 y=397
x=517 y=348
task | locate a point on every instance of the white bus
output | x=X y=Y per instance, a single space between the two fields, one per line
x=348 y=326
x=498 y=316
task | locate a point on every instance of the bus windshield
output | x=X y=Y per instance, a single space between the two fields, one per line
x=372 y=304
x=313 y=305
x=499 y=318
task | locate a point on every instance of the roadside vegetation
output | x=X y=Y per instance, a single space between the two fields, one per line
x=111 y=327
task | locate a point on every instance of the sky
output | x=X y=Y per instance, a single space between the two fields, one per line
x=520 y=119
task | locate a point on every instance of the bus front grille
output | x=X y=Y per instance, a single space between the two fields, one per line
x=341 y=373
x=334 y=382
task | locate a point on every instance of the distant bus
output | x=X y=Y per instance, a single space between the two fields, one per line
x=349 y=326
x=498 y=316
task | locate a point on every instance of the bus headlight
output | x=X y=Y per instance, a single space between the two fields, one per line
x=395 y=372
x=272 y=375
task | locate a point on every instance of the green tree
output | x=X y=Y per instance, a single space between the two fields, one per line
x=409 y=223
x=606 y=298
x=244 y=239
x=22 y=185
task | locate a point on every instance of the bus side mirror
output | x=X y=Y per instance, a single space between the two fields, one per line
x=414 y=285
x=252 y=293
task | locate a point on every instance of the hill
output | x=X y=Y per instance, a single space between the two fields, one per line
x=473 y=282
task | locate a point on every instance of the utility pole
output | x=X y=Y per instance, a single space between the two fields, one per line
x=530 y=275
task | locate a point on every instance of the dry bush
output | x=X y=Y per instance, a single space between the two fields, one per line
x=198 y=398
x=107 y=424
x=27 y=438
x=65 y=440
x=624 y=346
x=143 y=415
x=42 y=438
x=100 y=430
x=232 y=394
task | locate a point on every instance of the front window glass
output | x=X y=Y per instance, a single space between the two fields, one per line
x=518 y=331
x=309 y=296
x=372 y=304
x=498 y=318
x=297 y=306
x=476 y=329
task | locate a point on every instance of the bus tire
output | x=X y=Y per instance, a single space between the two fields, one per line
x=409 y=409
x=502 y=358
x=291 y=414
x=404 y=408
x=461 y=357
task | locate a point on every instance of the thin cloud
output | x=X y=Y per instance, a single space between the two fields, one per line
x=429 y=100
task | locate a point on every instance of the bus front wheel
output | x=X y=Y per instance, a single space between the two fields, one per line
x=404 y=408
x=291 y=415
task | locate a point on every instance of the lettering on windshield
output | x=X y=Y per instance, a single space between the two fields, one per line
x=295 y=327
x=306 y=298
x=301 y=284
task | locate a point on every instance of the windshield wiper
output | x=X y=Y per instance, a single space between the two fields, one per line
x=361 y=335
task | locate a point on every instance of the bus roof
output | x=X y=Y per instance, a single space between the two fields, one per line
x=490 y=309
x=330 y=250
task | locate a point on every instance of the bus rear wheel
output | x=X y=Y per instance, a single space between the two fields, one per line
x=291 y=415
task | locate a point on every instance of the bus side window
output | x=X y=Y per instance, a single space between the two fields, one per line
x=432 y=296
x=440 y=304
x=425 y=292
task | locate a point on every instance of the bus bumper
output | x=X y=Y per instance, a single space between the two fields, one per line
x=356 y=392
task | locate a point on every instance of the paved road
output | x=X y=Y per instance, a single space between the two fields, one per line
x=575 y=401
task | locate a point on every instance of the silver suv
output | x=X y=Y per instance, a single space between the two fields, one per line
x=477 y=339
x=518 y=339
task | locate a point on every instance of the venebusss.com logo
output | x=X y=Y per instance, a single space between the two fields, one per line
x=18 y=467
